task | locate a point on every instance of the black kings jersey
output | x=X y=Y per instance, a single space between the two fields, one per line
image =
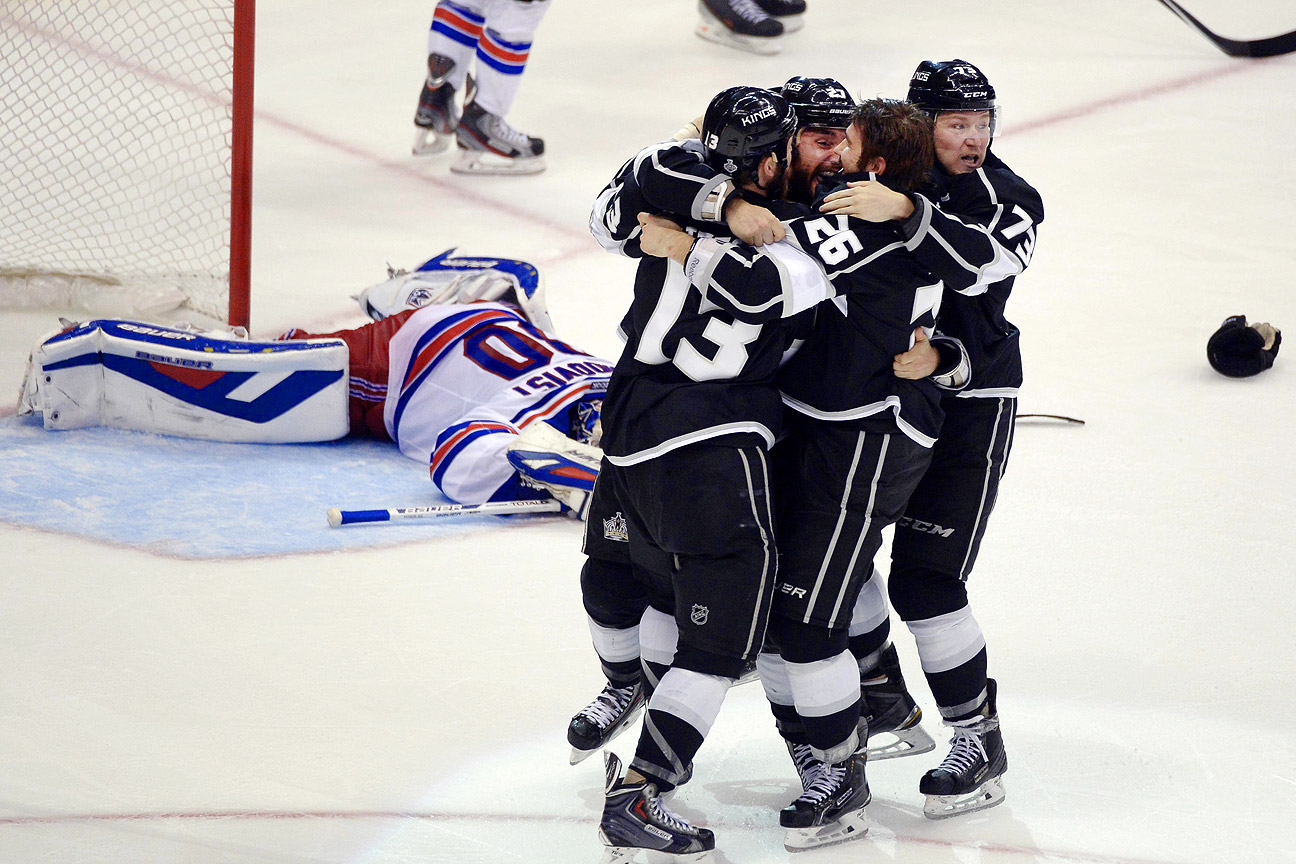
x=1009 y=209
x=842 y=373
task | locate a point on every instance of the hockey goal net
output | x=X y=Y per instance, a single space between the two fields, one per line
x=125 y=139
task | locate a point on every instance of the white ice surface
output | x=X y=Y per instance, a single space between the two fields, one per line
x=407 y=703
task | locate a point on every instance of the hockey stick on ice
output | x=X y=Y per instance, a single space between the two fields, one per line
x=1271 y=47
x=337 y=517
x=1060 y=417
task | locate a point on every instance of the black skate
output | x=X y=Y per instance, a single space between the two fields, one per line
x=603 y=719
x=831 y=809
x=789 y=13
x=891 y=712
x=489 y=145
x=740 y=24
x=634 y=818
x=435 y=117
x=971 y=777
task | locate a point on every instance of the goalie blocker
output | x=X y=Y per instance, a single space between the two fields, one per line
x=132 y=375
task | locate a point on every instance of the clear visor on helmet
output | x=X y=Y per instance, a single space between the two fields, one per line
x=985 y=123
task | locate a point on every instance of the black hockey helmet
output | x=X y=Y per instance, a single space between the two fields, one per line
x=950 y=85
x=743 y=125
x=819 y=102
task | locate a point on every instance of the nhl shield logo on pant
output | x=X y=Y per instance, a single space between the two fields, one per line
x=699 y=614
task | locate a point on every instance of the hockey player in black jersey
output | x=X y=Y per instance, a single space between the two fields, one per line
x=689 y=415
x=937 y=539
x=862 y=408
x=679 y=180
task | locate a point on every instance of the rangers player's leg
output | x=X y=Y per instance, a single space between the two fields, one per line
x=488 y=144
x=452 y=42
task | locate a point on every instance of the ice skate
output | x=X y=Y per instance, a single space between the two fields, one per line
x=603 y=719
x=971 y=777
x=740 y=24
x=891 y=712
x=489 y=145
x=831 y=810
x=789 y=13
x=635 y=819
x=435 y=117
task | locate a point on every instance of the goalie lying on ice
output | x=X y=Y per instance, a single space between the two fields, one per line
x=459 y=369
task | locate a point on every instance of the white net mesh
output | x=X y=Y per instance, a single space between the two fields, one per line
x=115 y=141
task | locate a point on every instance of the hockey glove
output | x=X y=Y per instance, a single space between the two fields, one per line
x=546 y=459
x=1240 y=350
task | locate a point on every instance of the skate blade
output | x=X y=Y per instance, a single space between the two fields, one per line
x=482 y=162
x=722 y=35
x=988 y=795
x=791 y=23
x=578 y=756
x=851 y=826
x=908 y=742
x=626 y=854
x=429 y=141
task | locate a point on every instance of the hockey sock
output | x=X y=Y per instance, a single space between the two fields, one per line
x=953 y=654
x=618 y=652
x=679 y=716
x=827 y=694
x=455 y=32
x=870 y=627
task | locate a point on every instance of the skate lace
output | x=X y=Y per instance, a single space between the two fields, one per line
x=608 y=705
x=808 y=767
x=499 y=128
x=827 y=781
x=748 y=10
x=658 y=811
x=966 y=748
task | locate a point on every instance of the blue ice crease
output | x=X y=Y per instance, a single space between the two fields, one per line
x=200 y=499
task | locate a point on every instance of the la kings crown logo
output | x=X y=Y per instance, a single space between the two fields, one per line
x=614 y=528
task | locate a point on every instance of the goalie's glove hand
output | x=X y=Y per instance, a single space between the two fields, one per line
x=546 y=459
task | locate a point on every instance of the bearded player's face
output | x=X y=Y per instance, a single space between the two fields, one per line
x=815 y=156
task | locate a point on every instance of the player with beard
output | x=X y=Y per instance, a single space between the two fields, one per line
x=689 y=414
x=858 y=445
x=824 y=109
x=677 y=179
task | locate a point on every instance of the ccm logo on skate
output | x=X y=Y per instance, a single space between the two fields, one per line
x=924 y=527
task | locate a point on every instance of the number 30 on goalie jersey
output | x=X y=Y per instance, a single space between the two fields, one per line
x=464 y=380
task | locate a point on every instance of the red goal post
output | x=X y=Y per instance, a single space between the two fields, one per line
x=126 y=144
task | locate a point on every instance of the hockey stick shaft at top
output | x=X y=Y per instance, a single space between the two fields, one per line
x=338 y=517
x=1271 y=47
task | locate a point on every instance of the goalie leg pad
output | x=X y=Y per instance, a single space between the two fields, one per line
x=132 y=375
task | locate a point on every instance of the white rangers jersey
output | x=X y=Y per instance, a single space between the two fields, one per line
x=465 y=379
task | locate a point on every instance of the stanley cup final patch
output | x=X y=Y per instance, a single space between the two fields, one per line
x=614 y=528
